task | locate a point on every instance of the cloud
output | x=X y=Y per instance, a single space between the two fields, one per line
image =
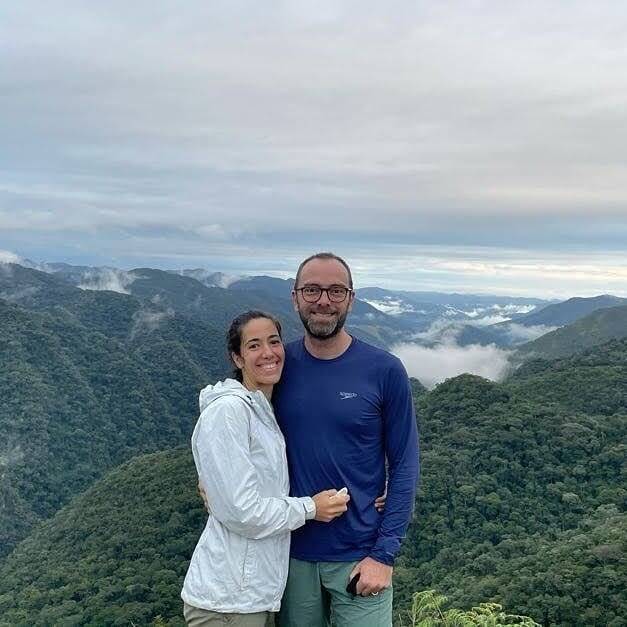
x=440 y=330
x=145 y=321
x=11 y=454
x=107 y=279
x=486 y=321
x=486 y=316
x=226 y=280
x=230 y=129
x=220 y=279
x=434 y=365
x=491 y=270
x=7 y=256
x=390 y=306
x=520 y=333
x=509 y=309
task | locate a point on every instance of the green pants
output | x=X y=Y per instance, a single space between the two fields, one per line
x=316 y=596
x=197 y=617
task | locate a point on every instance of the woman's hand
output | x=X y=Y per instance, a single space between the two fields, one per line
x=330 y=505
x=379 y=502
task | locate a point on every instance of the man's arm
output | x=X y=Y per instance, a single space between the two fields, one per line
x=401 y=447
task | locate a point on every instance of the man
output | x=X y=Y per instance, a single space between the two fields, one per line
x=344 y=407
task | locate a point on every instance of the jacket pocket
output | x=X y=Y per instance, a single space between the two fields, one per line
x=248 y=564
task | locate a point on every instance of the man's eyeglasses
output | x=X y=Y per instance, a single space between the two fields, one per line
x=313 y=293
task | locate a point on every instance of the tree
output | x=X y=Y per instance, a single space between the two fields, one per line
x=426 y=611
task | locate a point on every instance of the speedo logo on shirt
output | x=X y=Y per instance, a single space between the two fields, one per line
x=345 y=395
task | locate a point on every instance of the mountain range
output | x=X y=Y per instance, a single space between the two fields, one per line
x=381 y=316
x=96 y=383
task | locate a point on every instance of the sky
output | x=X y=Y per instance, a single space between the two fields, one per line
x=453 y=146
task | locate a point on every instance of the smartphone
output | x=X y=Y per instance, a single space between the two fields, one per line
x=351 y=588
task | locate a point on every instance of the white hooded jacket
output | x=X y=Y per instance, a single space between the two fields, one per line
x=240 y=562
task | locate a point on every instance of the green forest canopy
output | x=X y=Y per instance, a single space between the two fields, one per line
x=521 y=504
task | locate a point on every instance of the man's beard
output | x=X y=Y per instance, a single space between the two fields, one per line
x=323 y=330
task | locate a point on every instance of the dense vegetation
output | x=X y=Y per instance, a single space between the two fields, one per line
x=117 y=554
x=518 y=471
x=521 y=504
x=79 y=398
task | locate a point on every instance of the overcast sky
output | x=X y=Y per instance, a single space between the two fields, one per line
x=468 y=146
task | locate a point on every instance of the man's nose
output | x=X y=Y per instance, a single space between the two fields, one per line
x=324 y=298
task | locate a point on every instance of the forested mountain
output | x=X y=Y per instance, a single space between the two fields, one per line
x=597 y=328
x=197 y=295
x=559 y=314
x=521 y=502
x=216 y=305
x=88 y=380
x=267 y=284
x=115 y=556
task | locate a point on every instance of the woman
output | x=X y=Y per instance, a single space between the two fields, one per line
x=239 y=566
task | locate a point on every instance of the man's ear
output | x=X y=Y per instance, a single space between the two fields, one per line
x=295 y=300
x=351 y=300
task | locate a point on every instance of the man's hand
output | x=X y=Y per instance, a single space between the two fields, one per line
x=373 y=576
x=203 y=496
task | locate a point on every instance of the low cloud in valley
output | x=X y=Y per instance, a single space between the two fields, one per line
x=434 y=365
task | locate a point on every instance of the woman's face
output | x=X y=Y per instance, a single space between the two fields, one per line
x=261 y=355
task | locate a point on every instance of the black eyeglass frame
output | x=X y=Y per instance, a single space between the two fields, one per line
x=348 y=291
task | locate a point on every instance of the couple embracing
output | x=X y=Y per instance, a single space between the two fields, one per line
x=338 y=414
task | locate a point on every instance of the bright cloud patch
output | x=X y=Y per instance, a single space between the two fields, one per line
x=503 y=309
x=7 y=256
x=441 y=330
x=108 y=279
x=434 y=365
x=520 y=333
x=390 y=306
x=148 y=321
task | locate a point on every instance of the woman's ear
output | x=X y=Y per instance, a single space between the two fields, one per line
x=237 y=360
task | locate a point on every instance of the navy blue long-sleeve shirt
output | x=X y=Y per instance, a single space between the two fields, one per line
x=342 y=418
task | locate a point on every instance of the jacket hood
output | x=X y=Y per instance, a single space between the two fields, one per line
x=228 y=387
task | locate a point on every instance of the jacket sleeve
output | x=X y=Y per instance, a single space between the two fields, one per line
x=226 y=472
x=401 y=448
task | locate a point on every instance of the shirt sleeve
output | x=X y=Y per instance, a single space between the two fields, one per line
x=402 y=452
x=227 y=474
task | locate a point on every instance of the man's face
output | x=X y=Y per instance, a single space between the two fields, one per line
x=323 y=319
